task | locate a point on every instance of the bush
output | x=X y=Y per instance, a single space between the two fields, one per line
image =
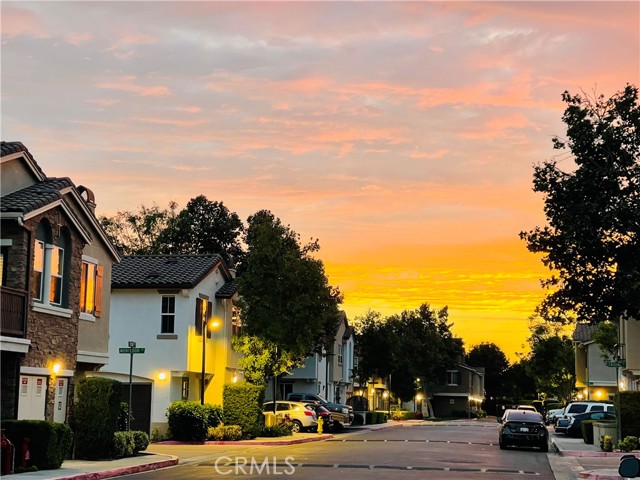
x=95 y=416
x=606 y=443
x=242 y=404
x=280 y=430
x=228 y=432
x=141 y=441
x=214 y=414
x=123 y=444
x=188 y=421
x=629 y=444
x=123 y=416
x=629 y=413
x=587 y=431
x=401 y=415
x=49 y=445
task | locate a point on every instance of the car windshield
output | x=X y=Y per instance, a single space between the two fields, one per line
x=321 y=398
x=523 y=416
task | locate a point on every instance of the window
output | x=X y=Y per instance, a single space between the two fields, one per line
x=236 y=321
x=57 y=267
x=91 y=287
x=38 y=269
x=4 y=254
x=204 y=310
x=185 y=388
x=168 y=313
x=340 y=354
x=453 y=378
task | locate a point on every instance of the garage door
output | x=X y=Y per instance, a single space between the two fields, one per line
x=141 y=402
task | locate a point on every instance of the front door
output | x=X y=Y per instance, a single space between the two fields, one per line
x=60 y=404
x=32 y=398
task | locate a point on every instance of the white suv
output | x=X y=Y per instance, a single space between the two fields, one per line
x=575 y=408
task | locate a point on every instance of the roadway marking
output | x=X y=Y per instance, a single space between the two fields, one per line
x=362 y=440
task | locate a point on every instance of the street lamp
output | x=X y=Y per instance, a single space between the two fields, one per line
x=205 y=324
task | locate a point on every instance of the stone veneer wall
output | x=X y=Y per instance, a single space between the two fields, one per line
x=54 y=337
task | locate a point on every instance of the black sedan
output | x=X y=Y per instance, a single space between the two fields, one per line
x=523 y=428
x=574 y=429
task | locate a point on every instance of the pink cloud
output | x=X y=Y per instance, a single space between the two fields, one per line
x=78 y=38
x=18 y=21
x=126 y=84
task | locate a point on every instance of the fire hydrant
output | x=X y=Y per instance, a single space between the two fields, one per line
x=320 y=426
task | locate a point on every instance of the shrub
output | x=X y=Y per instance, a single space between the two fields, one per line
x=401 y=415
x=606 y=443
x=49 y=445
x=123 y=444
x=228 y=432
x=587 y=431
x=280 y=430
x=95 y=418
x=629 y=444
x=629 y=413
x=242 y=404
x=188 y=421
x=141 y=441
x=214 y=414
x=123 y=416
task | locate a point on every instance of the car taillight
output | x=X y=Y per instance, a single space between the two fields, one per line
x=308 y=413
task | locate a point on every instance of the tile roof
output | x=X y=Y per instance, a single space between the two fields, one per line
x=163 y=271
x=227 y=290
x=8 y=148
x=583 y=332
x=35 y=196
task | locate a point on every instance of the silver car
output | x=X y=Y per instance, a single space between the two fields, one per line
x=301 y=415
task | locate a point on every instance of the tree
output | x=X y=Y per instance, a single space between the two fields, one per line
x=592 y=240
x=203 y=227
x=286 y=299
x=552 y=361
x=495 y=363
x=606 y=336
x=261 y=358
x=138 y=233
x=374 y=344
x=519 y=381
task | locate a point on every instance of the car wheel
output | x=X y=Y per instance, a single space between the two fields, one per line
x=544 y=447
x=502 y=445
x=296 y=426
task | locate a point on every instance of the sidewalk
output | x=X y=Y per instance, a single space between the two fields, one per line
x=583 y=460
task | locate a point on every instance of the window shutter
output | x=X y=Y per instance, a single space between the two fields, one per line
x=98 y=299
x=198 y=323
x=209 y=311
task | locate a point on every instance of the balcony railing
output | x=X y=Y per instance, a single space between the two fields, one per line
x=13 y=312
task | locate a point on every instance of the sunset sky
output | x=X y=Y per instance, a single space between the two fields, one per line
x=402 y=135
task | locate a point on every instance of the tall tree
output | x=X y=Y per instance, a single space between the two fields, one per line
x=374 y=345
x=204 y=226
x=138 y=233
x=592 y=240
x=493 y=359
x=286 y=298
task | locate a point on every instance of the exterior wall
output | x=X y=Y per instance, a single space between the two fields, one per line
x=630 y=337
x=15 y=176
x=443 y=407
x=136 y=316
x=597 y=370
x=581 y=365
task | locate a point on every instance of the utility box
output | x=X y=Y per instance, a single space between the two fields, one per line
x=604 y=428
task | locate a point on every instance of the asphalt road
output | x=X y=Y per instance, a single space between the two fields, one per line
x=449 y=451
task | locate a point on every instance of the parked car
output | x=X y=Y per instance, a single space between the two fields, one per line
x=523 y=428
x=529 y=408
x=575 y=408
x=553 y=415
x=302 y=415
x=321 y=412
x=574 y=429
x=342 y=415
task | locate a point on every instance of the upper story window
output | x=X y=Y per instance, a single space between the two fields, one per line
x=236 y=321
x=340 y=349
x=204 y=309
x=168 y=314
x=91 y=287
x=51 y=263
x=453 y=378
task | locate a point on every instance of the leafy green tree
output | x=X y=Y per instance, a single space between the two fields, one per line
x=261 y=358
x=552 y=361
x=374 y=343
x=519 y=382
x=138 y=233
x=493 y=359
x=592 y=240
x=606 y=336
x=203 y=227
x=286 y=297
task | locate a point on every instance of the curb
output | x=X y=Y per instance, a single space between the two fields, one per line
x=116 y=472
x=600 y=475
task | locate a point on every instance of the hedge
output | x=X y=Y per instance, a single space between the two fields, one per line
x=188 y=421
x=49 y=445
x=129 y=443
x=630 y=413
x=242 y=405
x=95 y=416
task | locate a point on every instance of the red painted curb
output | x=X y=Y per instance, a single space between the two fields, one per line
x=116 y=472
x=251 y=442
x=594 y=475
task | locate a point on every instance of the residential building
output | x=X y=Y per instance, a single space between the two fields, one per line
x=168 y=305
x=629 y=354
x=328 y=374
x=55 y=262
x=463 y=391
x=594 y=379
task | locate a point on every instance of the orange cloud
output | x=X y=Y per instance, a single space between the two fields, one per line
x=126 y=84
x=18 y=21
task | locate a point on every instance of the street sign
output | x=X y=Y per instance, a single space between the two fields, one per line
x=131 y=350
x=617 y=363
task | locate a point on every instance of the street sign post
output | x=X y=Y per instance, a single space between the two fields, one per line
x=131 y=350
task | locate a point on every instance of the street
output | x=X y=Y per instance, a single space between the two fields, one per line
x=452 y=450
